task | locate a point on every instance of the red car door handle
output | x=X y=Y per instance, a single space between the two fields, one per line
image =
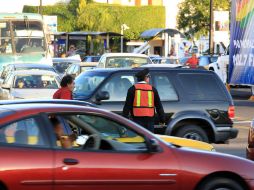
x=70 y=161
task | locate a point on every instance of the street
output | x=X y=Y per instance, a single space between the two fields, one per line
x=244 y=113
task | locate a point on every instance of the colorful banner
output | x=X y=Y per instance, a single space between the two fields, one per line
x=241 y=65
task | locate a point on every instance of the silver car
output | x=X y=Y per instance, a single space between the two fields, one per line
x=29 y=84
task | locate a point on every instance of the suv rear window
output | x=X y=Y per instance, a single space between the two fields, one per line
x=202 y=87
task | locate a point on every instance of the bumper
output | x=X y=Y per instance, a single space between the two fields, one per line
x=223 y=134
x=250 y=153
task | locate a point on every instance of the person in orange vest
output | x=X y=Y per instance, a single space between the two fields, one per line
x=142 y=100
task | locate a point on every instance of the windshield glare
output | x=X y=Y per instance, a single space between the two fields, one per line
x=86 y=83
x=126 y=62
x=28 y=37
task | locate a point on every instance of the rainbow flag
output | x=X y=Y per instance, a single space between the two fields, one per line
x=244 y=11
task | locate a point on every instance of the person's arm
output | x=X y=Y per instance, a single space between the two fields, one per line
x=158 y=106
x=129 y=102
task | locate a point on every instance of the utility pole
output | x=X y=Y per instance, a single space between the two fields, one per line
x=211 y=33
x=40 y=7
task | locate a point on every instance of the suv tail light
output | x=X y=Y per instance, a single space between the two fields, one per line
x=231 y=112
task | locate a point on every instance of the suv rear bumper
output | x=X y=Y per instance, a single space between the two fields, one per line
x=223 y=134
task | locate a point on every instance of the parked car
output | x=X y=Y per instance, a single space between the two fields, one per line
x=61 y=64
x=29 y=146
x=205 y=60
x=196 y=102
x=76 y=68
x=29 y=84
x=123 y=60
x=165 y=60
x=220 y=67
x=250 y=146
x=25 y=66
x=92 y=58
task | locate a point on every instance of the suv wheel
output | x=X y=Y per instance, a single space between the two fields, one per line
x=192 y=132
x=220 y=184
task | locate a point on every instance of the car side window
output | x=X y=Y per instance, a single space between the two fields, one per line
x=9 y=80
x=118 y=85
x=165 y=88
x=70 y=69
x=113 y=136
x=75 y=70
x=202 y=87
x=24 y=133
x=102 y=62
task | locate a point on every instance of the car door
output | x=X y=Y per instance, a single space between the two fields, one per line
x=117 y=86
x=122 y=161
x=167 y=92
x=26 y=157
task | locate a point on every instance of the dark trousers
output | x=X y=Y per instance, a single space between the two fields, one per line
x=145 y=122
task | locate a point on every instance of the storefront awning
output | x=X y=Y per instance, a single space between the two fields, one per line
x=156 y=31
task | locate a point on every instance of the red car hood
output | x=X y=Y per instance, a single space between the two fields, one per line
x=203 y=163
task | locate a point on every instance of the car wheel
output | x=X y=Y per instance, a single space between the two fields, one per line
x=192 y=132
x=220 y=184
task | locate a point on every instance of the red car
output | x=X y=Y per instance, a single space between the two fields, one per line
x=59 y=146
x=250 y=147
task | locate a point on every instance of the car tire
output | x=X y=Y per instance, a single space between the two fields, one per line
x=193 y=132
x=220 y=183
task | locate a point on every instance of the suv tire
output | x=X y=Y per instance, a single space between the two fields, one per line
x=193 y=132
x=220 y=183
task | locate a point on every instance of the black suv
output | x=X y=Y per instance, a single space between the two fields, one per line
x=196 y=102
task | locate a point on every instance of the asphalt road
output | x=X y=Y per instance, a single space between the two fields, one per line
x=244 y=114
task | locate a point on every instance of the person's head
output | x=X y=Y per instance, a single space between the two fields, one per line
x=57 y=126
x=67 y=81
x=194 y=55
x=20 y=83
x=44 y=83
x=72 y=47
x=143 y=75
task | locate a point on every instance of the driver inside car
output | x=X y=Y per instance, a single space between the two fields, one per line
x=62 y=140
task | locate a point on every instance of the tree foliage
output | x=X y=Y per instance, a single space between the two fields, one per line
x=80 y=15
x=194 y=15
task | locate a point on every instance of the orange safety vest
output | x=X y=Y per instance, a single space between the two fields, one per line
x=143 y=105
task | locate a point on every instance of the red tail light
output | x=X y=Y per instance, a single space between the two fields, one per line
x=231 y=112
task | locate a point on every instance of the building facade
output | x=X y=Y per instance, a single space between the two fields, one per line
x=171 y=7
x=132 y=2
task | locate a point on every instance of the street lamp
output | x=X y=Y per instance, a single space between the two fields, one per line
x=123 y=28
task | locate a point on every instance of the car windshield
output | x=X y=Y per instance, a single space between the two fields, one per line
x=36 y=81
x=86 y=83
x=61 y=66
x=91 y=59
x=28 y=37
x=126 y=62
